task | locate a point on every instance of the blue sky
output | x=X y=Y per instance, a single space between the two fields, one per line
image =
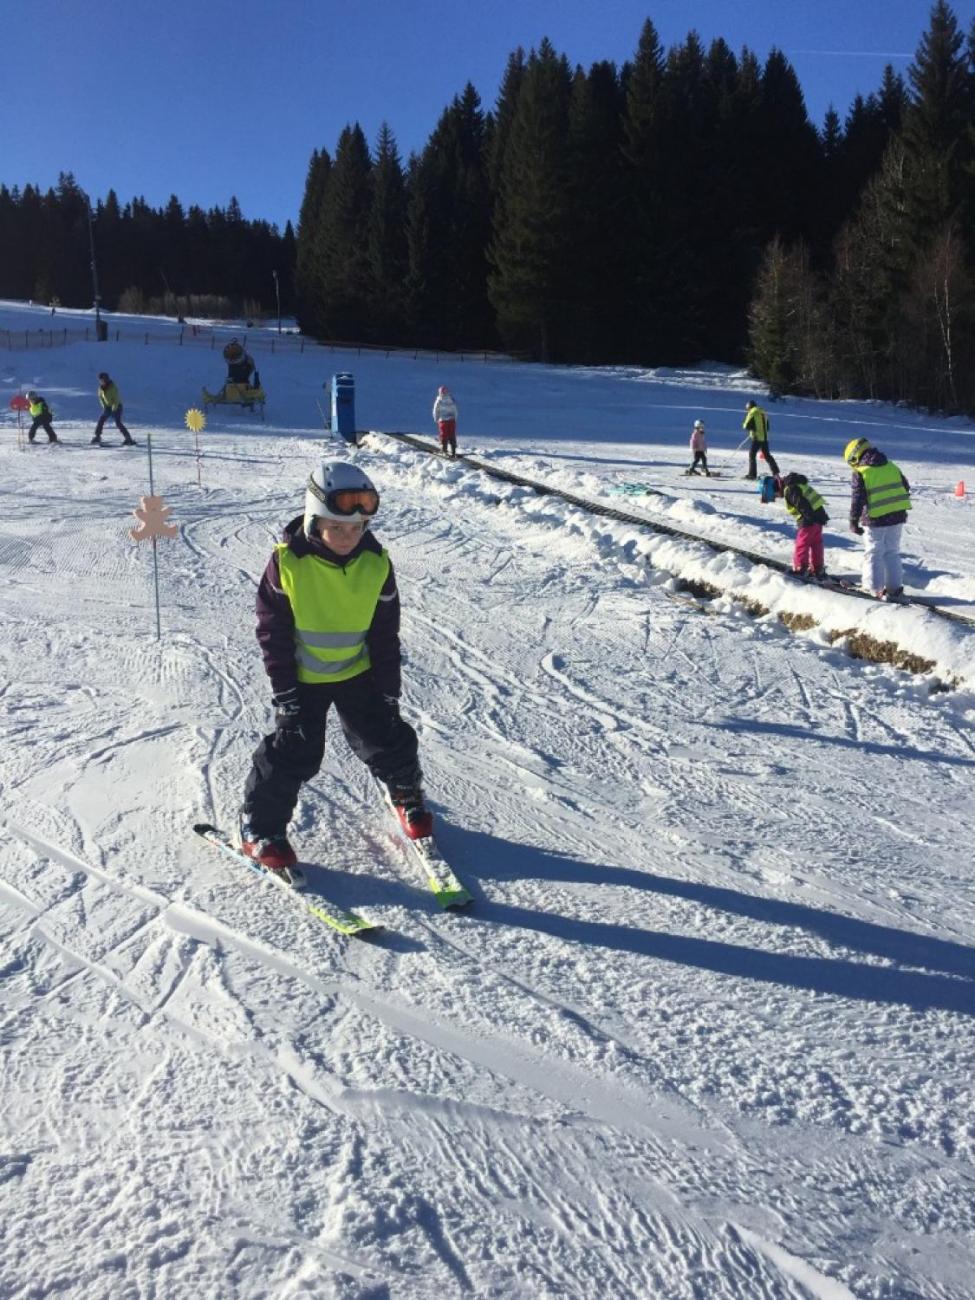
x=208 y=98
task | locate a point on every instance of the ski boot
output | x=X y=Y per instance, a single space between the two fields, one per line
x=412 y=813
x=273 y=854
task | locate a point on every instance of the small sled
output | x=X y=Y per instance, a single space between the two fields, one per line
x=250 y=397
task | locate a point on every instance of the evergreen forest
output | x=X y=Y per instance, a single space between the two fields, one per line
x=167 y=260
x=680 y=208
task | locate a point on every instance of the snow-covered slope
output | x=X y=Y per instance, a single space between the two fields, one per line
x=707 y=1028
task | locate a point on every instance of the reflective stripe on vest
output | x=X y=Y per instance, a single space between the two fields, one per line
x=885 y=491
x=333 y=608
x=811 y=495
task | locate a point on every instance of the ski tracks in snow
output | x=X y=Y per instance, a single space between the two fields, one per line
x=175 y=965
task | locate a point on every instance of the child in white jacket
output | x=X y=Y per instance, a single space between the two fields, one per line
x=445 y=414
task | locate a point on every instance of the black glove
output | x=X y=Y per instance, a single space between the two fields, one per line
x=287 y=711
x=855 y=528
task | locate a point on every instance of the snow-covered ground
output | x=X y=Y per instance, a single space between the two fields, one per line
x=706 y=1030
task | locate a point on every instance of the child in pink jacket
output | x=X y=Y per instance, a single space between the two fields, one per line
x=699 y=448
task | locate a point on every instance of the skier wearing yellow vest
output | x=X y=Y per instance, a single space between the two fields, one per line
x=328 y=626
x=880 y=500
x=111 y=404
x=756 y=425
x=40 y=414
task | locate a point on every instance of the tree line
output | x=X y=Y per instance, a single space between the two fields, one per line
x=170 y=259
x=889 y=312
x=678 y=208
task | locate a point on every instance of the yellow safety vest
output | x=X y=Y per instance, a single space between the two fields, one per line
x=333 y=607
x=756 y=424
x=885 y=490
x=811 y=495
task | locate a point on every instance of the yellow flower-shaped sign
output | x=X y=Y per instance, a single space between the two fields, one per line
x=195 y=419
x=152 y=516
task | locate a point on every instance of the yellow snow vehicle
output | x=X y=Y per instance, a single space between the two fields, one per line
x=243 y=383
x=249 y=396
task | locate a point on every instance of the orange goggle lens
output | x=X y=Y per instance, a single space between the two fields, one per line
x=352 y=501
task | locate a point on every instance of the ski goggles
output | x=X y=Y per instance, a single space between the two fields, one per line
x=352 y=501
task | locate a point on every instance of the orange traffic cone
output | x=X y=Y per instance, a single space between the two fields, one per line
x=960 y=488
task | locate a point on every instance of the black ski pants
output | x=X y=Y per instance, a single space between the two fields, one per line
x=753 y=449
x=286 y=759
x=117 y=417
x=42 y=422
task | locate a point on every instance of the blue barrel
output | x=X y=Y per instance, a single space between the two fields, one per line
x=343 y=406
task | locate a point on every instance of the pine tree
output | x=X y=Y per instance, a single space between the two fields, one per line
x=937 y=126
x=309 y=291
x=787 y=323
x=646 y=185
x=387 y=242
x=594 y=327
x=527 y=284
x=341 y=262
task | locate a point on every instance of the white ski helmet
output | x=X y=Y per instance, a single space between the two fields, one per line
x=338 y=491
x=698 y=424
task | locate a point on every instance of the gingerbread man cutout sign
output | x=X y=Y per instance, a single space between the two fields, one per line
x=152 y=516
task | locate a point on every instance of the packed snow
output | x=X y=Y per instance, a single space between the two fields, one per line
x=706 y=1030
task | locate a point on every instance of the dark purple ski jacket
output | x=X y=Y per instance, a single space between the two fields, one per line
x=276 y=623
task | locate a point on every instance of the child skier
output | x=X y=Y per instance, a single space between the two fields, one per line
x=41 y=417
x=111 y=402
x=445 y=414
x=808 y=508
x=699 y=448
x=328 y=626
x=879 y=502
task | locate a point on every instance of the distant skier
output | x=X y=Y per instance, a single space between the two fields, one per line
x=328 y=625
x=808 y=508
x=700 y=449
x=111 y=400
x=41 y=416
x=879 y=502
x=756 y=425
x=445 y=414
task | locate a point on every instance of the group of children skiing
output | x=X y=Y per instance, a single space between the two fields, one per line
x=111 y=403
x=328 y=616
x=879 y=502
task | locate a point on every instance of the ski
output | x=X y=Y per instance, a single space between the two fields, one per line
x=440 y=877
x=446 y=888
x=336 y=917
